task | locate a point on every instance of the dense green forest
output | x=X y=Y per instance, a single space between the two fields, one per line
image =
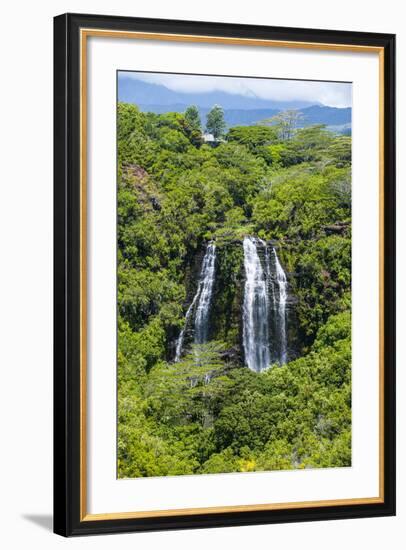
x=290 y=187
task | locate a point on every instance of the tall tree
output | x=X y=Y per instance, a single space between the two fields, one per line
x=286 y=122
x=192 y=117
x=215 y=122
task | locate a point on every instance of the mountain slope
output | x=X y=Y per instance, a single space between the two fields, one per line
x=321 y=114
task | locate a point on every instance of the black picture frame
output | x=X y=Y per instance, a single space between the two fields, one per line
x=67 y=288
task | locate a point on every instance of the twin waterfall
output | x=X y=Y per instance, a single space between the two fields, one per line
x=264 y=316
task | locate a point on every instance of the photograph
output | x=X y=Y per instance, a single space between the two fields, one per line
x=233 y=274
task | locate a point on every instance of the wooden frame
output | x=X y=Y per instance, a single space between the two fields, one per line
x=71 y=32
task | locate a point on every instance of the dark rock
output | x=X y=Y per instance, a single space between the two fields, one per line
x=155 y=204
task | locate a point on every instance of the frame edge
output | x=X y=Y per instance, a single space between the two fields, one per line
x=61 y=415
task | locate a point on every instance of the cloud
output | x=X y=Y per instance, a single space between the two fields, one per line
x=334 y=94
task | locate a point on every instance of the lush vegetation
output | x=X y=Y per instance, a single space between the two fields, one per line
x=212 y=414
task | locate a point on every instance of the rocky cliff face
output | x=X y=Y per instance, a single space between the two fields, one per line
x=225 y=317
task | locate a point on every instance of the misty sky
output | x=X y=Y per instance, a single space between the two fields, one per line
x=333 y=94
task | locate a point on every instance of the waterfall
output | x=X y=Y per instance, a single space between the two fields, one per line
x=203 y=299
x=264 y=308
x=179 y=343
x=255 y=309
x=269 y=278
x=281 y=309
x=202 y=314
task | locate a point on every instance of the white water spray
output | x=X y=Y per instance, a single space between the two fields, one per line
x=203 y=299
x=255 y=310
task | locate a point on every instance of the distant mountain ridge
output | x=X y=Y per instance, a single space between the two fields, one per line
x=321 y=114
x=147 y=93
x=159 y=99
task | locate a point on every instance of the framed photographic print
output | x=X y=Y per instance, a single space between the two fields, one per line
x=224 y=274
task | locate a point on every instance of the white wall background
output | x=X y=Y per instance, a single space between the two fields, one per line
x=26 y=272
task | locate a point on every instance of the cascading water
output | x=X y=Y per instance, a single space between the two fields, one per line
x=202 y=314
x=203 y=299
x=264 y=308
x=269 y=278
x=281 y=308
x=179 y=343
x=255 y=310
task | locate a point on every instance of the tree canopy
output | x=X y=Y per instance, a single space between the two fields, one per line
x=192 y=117
x=216 y=123
x=208 y=413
